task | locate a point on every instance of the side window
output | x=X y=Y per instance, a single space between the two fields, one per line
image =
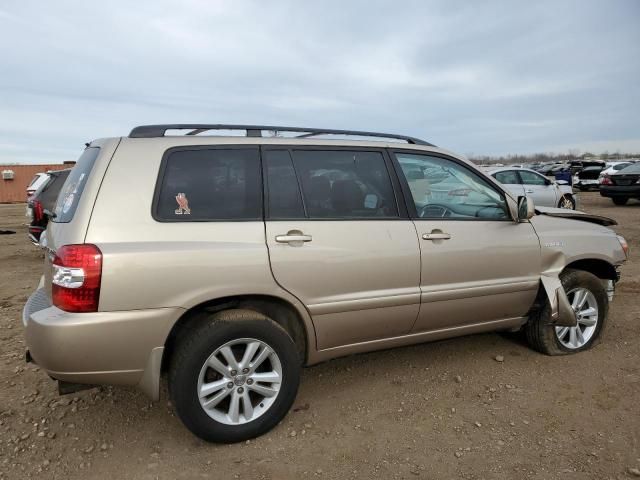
x=210 y=184
x=530 y=178
x=284 y=200
x=507 y=178
x=345 y=184
x=443 y=188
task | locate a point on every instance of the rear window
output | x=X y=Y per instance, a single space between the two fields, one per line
x=634 y=168
x=34 y=179
x=74 y=186
x=209 y=184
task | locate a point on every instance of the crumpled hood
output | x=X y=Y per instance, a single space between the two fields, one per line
x=575 y=215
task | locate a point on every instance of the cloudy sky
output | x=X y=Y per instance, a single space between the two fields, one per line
x=484 y=78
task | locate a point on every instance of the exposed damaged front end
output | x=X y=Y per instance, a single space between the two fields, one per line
x=570 y=239
x=562 y=314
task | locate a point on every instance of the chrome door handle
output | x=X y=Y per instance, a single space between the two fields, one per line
x=528 y=191
x=293 y=236
x=436 y=236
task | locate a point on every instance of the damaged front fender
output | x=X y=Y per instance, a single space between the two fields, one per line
x=562 y=314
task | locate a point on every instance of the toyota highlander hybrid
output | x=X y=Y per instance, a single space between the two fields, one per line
x=225 y=263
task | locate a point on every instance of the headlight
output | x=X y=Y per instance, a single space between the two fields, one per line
x=624 y=245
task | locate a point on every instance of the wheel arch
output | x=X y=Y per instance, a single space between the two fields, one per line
x=598 y=267
x=279 y=310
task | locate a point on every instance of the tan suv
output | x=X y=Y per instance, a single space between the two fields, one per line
x=228 y=262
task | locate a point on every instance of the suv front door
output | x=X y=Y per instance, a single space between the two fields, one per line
x=478 y=265
x=341 y=242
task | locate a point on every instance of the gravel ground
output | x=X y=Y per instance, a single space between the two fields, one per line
x=442 y=410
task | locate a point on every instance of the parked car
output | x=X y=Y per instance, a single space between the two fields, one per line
x=36 y=182
x=544 y=192
x=547 y=169
x=622 y=185
x=578 y=165
x=587 y=178
x=43 y=201
x=227 y=263
x=612 y=167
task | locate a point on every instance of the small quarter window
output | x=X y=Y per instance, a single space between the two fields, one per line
x=210 y=184
x=284 y=197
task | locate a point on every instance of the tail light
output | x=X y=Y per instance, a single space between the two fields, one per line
x=605 y=180
x=77 y=273
x=38 y=212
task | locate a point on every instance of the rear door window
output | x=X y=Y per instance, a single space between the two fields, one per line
x=74 y=186
x=209 y=184
x=508 y=177
x=344 y=184
x=530 y=178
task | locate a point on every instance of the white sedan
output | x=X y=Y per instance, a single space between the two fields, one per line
x=545 y=192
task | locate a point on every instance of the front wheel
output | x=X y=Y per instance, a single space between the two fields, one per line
x=589 y=301
x=233 y=376
x=567 y=202
x=620 y=200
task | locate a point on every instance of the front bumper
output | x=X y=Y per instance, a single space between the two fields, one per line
x=116 y=348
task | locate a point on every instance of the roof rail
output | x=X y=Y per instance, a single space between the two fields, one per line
x=153 y=131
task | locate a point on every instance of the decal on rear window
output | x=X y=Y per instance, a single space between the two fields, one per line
x=183 y=205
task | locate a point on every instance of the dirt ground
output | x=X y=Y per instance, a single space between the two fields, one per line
x=435 y=411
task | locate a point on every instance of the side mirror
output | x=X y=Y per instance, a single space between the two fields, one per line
x=526 y=208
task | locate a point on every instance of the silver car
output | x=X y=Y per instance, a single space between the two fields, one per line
x=545 y=192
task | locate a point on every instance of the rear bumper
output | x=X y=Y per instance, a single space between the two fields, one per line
x=117 y=348
x=586 y=184
x=615 y=191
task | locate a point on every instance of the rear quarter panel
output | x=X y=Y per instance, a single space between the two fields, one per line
x=151 y=264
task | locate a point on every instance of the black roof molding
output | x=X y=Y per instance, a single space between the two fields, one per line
x=154 y=131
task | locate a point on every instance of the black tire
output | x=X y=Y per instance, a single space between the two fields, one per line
x=543 y=338
x=209 y=332
x=620 y=200
x=571 y=199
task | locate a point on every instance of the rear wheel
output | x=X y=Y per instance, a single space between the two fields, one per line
x=620 y=200
x=567 y=202
x=589 y=301
x=234 y=376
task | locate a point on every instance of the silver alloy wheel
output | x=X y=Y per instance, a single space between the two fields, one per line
x=240 y=381
x=585 y=306
x=566 y=203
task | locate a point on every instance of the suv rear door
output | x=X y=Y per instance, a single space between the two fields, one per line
x=478 y=265
x=339 y=240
